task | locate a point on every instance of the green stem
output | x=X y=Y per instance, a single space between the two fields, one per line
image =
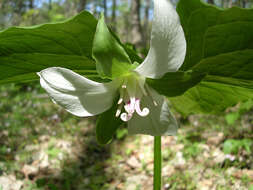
x=157 y=163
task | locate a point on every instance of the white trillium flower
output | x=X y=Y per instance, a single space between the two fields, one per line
x=145 y=111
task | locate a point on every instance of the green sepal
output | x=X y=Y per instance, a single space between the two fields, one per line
x=175 y=83
x=107 y=124
x=111 y=59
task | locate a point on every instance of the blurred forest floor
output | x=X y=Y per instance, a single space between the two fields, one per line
x=43 y=147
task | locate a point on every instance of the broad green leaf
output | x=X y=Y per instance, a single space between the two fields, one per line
x=219 y=44
x=201 y=21
x=185 y=8
x=22 y=67
x=111 y=58
x=234 y=68
x=175 y=83
x=24 y=51
x=107 y=124
x=210 y=97
x=228 y=38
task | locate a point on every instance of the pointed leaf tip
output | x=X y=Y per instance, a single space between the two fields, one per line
x=111 y=58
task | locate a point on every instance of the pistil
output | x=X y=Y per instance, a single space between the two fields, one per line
x=144 y=112
x=131 y=92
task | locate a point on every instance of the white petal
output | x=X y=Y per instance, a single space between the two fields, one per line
x=167 y=45
x=77 y=94
x=159 y=121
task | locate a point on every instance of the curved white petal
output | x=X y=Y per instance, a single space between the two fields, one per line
x=77 y=94
x=167 y=45
x=159 y=121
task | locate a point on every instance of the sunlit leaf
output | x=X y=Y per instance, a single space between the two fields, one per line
x=25 y=51
x=220 y=44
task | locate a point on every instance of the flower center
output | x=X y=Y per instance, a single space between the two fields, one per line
x=132 y=90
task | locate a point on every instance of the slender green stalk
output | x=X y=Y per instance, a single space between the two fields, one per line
x=157 y=163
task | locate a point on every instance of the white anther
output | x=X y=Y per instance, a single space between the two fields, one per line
x=118 y=112
x=120 y=101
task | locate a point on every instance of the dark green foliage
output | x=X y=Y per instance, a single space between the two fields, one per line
x=176 y=83
x=107 y=124
x=220 y=44
x=25 y=51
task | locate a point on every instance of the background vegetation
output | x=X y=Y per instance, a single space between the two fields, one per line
x=42 y=147
x=129 y=18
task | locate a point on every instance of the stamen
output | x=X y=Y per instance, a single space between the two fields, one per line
x=118 y=110
x=124 y=84
x=131 y=92
x=120 y=100
x=144 y=112
x=122 y=94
